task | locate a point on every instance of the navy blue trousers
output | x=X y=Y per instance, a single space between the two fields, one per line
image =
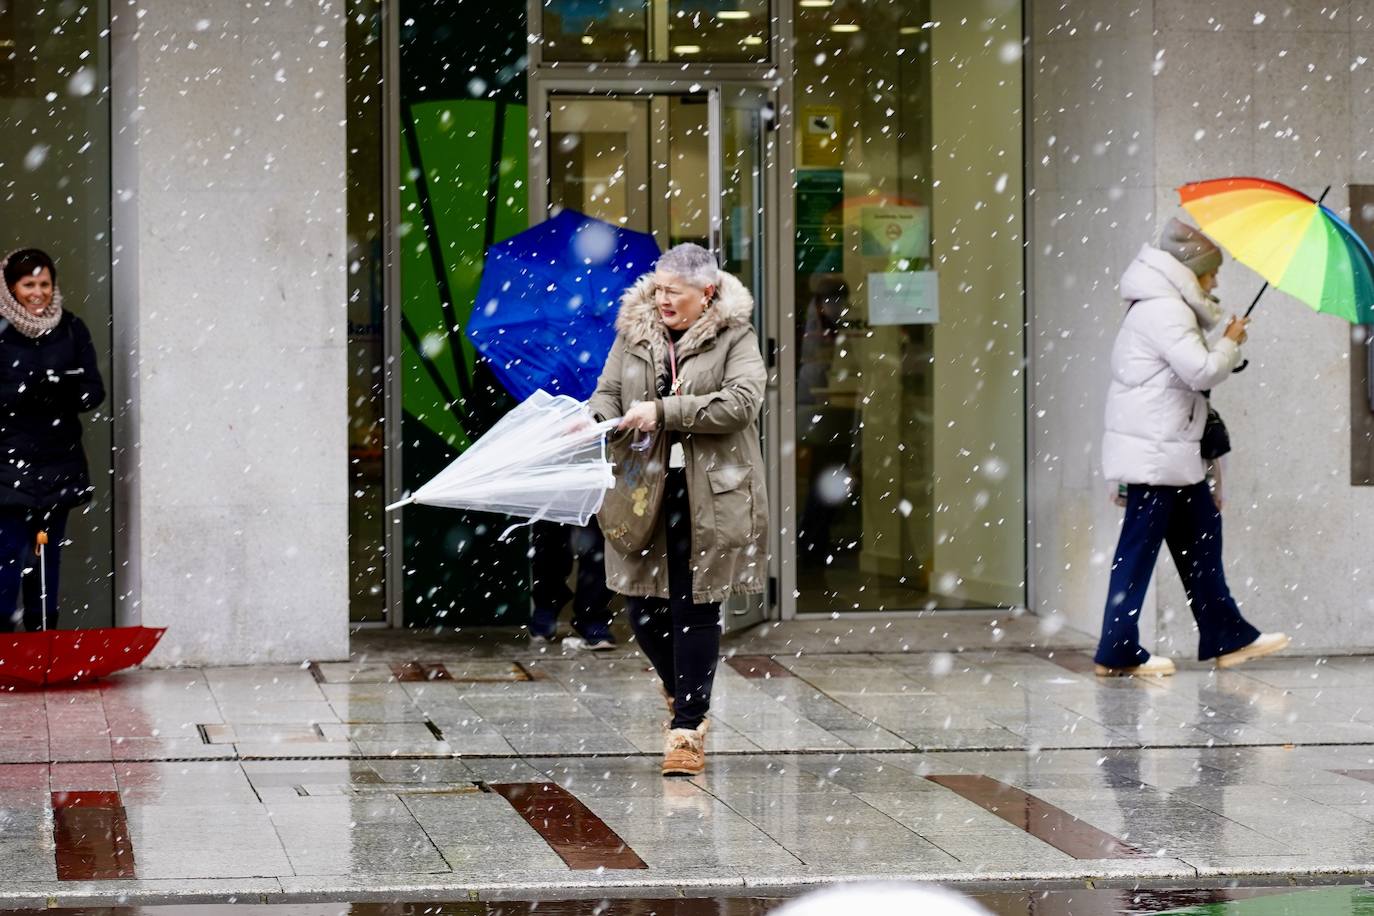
x=19 y=566
x=1189 y=522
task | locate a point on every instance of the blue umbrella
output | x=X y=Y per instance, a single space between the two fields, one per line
x=544 y=317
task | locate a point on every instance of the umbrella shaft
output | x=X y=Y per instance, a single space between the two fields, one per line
x=43 y=585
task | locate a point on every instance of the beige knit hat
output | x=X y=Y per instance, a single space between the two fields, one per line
x=1190 y=247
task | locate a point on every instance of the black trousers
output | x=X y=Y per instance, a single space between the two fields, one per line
x=19 y=566
x=680 y=637
x=554 y=548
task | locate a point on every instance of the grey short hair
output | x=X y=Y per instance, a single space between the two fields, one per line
x=692 y=263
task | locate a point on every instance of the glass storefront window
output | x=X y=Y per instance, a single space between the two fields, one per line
x=656 y=30
x=909 y=311
x=55 y=195
x=366 y=350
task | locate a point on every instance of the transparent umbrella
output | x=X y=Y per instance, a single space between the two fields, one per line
x=546 y=459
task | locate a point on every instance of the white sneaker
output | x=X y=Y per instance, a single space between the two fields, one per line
x=1265 y=644
x=1154 y=666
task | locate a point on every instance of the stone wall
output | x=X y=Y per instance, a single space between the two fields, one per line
x=230 y=327
x=1128 y=101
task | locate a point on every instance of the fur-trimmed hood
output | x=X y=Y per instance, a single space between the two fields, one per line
x=639 y=321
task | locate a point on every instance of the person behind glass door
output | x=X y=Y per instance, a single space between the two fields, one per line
x=1161 y=363
x=686 y=363
x=48 y=376
x=553 y=547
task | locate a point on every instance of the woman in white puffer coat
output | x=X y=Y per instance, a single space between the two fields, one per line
x=1156 y=412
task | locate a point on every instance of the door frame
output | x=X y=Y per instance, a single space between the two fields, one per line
x=610 y=81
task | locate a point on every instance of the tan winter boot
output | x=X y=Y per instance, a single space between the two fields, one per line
x=684 y=751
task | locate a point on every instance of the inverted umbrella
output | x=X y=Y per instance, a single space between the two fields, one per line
x=1290 y=239
x=546 y=459
x=51 y=657
x=544 y=317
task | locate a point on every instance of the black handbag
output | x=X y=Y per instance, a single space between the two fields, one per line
x=1215 y=440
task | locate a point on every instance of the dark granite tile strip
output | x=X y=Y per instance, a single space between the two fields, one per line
x=91 y=832
x=580 y=838
x=1039 y=818
x=757 y=667
x=408 y=671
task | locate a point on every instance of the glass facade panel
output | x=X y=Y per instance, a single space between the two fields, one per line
x=55 y=195
x=656 y=30
x=638 y=162
x=909 y=311
x=366 y=351
x=463 y=187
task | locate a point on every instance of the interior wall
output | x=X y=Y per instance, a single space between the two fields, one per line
x=976 y=232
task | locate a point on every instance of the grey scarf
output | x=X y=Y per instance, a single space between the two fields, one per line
x=28 y=324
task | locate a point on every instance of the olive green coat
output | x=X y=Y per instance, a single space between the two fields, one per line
x=722 y=378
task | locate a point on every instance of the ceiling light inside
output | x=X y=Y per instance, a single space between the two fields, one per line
x=844 y=27
x=587 y=39
x=733 y=14
x=686 y=49
x=753 y=39
x=817 y=4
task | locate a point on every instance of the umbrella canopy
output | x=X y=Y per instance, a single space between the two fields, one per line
x=546 y=459
x=545 y=311
x=1290 y=239
x=29 y=660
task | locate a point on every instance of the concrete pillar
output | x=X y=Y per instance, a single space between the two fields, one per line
x=230 y=327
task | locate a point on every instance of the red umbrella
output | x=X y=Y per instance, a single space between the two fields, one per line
x=69 y=656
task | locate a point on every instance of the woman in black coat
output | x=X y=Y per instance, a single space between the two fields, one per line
x=48 y=376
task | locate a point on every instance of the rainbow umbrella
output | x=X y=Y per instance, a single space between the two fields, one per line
x=1290 y=239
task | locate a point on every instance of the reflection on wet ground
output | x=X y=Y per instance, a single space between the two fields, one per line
x=1235 y=901
x=430 y=768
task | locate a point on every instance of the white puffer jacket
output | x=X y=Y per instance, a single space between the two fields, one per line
x=1160 y=363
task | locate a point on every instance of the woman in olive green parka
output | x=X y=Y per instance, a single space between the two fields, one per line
x=686 y=364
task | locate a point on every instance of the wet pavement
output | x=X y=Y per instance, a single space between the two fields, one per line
x=1228 y=901
x=960 y=748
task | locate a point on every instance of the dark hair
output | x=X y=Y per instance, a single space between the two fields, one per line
x=26 y=262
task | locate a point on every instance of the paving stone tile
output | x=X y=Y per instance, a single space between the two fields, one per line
x=830 y=830
x=354 y=836
x=186 y=840
x=27 y=852
x=183 y=783
x=685 y=827
x=482 y=834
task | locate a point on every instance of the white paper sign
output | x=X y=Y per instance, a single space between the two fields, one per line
x=904 y=297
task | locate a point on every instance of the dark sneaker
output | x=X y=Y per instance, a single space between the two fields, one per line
x=543 y=626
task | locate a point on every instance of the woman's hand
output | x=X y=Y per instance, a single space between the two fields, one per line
x=1236 y=329
x=642 y=416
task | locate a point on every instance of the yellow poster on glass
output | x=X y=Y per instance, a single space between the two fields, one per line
x=822 y=145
